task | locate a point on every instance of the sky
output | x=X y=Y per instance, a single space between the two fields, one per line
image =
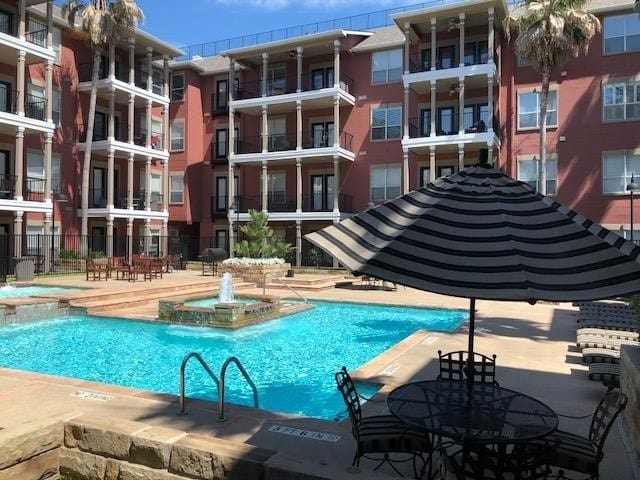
x=202 y=21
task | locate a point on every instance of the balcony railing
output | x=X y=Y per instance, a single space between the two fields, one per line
x=219 y=206
x=281 y=142
x=422 y=63
x=140 y=138
x=419 y=128
x=33 y=188
x=34 y=106
x=85 y=70
x=98 y=199
x=288 y=84
x=37 y=33
x=157 y=85
x=287 y=203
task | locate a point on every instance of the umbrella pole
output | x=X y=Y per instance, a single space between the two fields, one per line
x=472 y=327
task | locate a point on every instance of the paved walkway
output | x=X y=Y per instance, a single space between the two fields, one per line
x=534 y=345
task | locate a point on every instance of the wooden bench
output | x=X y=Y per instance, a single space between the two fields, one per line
x=121 y=267
x=96 y=269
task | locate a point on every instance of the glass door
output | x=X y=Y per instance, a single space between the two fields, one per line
x=6 y=180
x=277 y=134
x=425 y=122
x=322 y=188
x=446 y=120
x=5 y=97
x=447 y=56
x=99 y=195
x=323 y=134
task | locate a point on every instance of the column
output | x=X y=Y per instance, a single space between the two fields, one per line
x=299 y=74
x=22 y=18
x=110 y=177
x=232 y=118
x=129 y=239
x=20 y=83
x=165 y=185
x=433 y=44
x=336 y=184
x=298 y=243
x=461 y=29
x=265 y=130
x=48 y=90
x=147 y=236
x=147 y=185
x=49 y=23
x=298 y=185
x=434 y=99
x=265 y=187
x=149 y=124
x=165 y=128
x=110 y=236
x=490 y=154
x=265 y=68
x=48 y=141
x=407 y=42
x=490 y=113
x=405 y=113
x=19 y=167
x=165 y=74
x=165 y=238
x=112 y=60
x=405 y=171
x=460 y=157
x=336 y=66
x=130 y=182
x=48 y=242
x=132 y=60
x=492 y=33
x=298 y=125
x=131 y=118
x=149 y=69
x=231 y=212
x=17 y=232
x=111 y=119
x=432 y=163
x=337 y=130
x=461 y=105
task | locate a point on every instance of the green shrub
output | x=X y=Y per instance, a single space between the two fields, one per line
x=260 y=242
x=96 y=254
x=69 y=255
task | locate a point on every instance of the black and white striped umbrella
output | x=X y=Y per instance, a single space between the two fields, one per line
x=480 y=234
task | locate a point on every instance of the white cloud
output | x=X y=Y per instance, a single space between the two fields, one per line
x=279 y=4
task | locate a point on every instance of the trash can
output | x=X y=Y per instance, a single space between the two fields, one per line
x=24 y=268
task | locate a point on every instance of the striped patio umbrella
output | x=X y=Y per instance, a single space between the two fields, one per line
x=480 y=234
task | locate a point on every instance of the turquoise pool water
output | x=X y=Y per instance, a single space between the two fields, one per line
x=9 y=291
x=292 y=360
x=210 y=302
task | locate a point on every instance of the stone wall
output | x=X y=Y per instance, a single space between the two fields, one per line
x=255 y=273
x=630 y=386
x=88 y=447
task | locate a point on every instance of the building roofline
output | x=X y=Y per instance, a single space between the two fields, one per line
x=442 y=5
x=611 y=8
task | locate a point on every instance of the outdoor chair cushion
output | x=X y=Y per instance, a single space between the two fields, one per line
x=600 y=355
x=606 y=332
x=626 y=325
x=566 y=450
x=599 y=341
x=607 y=373
x=385 y=433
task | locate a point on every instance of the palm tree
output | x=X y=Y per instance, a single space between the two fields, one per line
x=104 y=22
x=547 y=34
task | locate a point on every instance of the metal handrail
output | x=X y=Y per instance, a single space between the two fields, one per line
x=182 y=369
x=223 y=372
x=264 y=286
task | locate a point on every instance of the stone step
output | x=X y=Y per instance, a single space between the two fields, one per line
x=305 y=286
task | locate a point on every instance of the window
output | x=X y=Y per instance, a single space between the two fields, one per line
x=425 y=59
x=528 y=172
x=6 y=23
x=447 y=57
x=177 y=135
x=277 y=182
x=221 y=194
x=176 y=188
x=386 y=122
x=222 y=144
x=221 y=239
x=424 y=177
x=621 y=101
x=386 y=66
x=617 y=169
x=35 y=171
x=385 y=182
x=529 y=109
x=622 y=33
x=56 y=184
x=55 y=106
x=425 y=122
x=177 y=87
x=222 y=95
x=322 y=78
x=276 y=79
x=447 y=121
x=476 y=53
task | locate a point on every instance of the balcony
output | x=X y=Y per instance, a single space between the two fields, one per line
x=37 y=33
x=34 y=43
x=284 y=203
x=475 y=134
x=475 y=65
x=32 y=188
x=121 y=143
x=34 y=106
x=288 y=84
x=98 y=200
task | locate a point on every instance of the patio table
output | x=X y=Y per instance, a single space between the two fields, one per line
x=484 y=414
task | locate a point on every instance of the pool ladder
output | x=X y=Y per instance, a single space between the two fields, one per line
x=219 y=382
x=264 y=286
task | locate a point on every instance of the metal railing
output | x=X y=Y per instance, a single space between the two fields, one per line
x=282 y=142
x=287 y=84
x=140 y=138
x=220 y=383
x=289 y=287
x=422 y=63
x=287 y=203
x=419 y=128
x=37 y=33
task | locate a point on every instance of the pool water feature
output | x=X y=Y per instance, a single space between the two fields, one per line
x=292 y=360
x=11 y=291
x=212 y=301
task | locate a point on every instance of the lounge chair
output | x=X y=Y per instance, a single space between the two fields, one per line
x=630 y=325
x=607 y=373
x=453 y=366
x=600 y=341
x=377 y=437
x=568 y=451
x=600 y=355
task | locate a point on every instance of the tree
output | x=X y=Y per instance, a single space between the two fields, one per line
x=104 y=22
x=547 y=34
x=260 y=241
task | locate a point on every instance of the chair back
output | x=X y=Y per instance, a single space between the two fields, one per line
x=351 y=399
x=605 y=414
x=453 y=366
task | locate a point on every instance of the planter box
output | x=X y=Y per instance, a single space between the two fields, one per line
x=256 y=273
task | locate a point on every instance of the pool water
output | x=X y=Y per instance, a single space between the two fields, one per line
x=10 y=291
x=292 y=360
x=211 y=301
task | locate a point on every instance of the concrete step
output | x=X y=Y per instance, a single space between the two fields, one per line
x=143 y=298
x=302 y=287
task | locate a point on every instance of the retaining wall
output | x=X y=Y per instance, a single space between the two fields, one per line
x=630 y=386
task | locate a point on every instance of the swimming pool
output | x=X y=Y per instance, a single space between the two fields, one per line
x=292 y=360
x=11 y=291
x=211 y=301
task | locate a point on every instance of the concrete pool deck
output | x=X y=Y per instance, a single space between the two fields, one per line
x=536 y=355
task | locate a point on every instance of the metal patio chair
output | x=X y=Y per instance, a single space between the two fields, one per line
x=378 y=437
x=453 y=366
x=568 y=451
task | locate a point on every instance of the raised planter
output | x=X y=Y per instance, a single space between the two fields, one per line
x=256 y=273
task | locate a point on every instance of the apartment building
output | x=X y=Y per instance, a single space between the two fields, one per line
x=316 y=127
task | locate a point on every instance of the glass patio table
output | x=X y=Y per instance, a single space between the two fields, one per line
x=485 y=413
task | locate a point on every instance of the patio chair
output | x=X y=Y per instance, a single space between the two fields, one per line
x=453 y=367
x=96 y=269
x=377 y=437
x=568 y=451
x=600 y=355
